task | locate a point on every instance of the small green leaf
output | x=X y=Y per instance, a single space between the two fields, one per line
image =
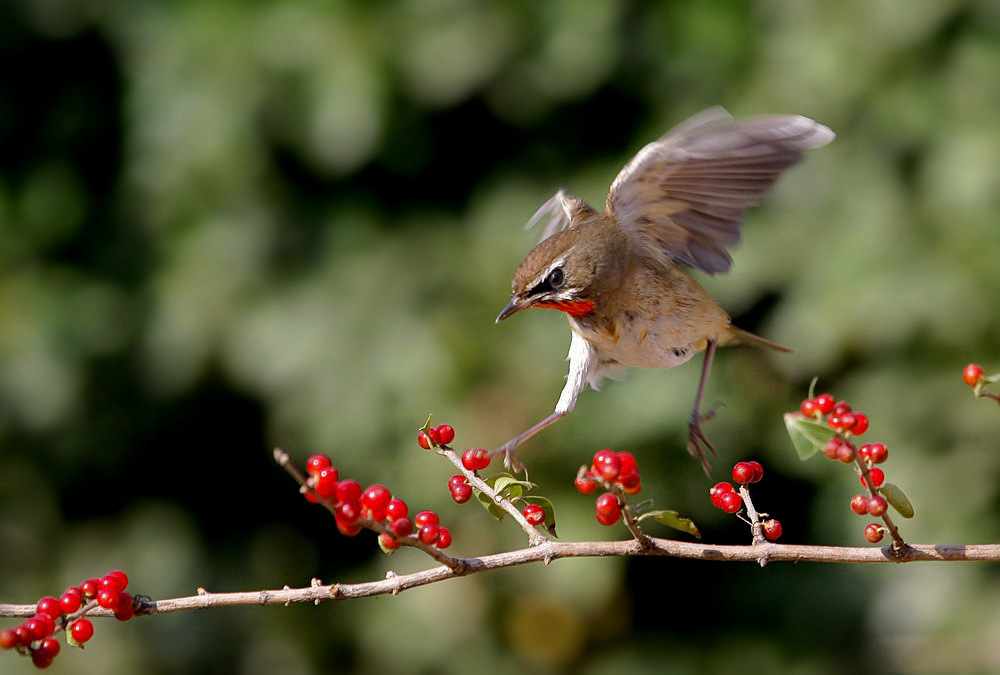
x=507 y=486
x=674 y=520
x=550 y=512
x=489 y=505
x=808 y=436
x=897 y=499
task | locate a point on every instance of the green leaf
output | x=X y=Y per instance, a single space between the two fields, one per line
x=490 y=505
x=808 y=436
x=897 y=499
x=674 y=520
x=506 y=485
x=550 y=512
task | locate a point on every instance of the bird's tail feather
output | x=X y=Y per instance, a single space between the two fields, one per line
x=738 y=336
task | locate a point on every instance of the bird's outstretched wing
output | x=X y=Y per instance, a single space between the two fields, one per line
x=560 y=210
x=685 y=195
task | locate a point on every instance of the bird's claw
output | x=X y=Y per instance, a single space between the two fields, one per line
x=509 y=452
x=698 y=442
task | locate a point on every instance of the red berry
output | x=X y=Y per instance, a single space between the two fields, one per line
x=110 y=583
x=426 y=518
x=125 y=609
x=845 y=453
x=71 y=600
x=609 y=519
x=606 y=464
x=772 y=529
x=824 y=403
x=317 y=463
x=809 y=407
x=348 y=529
x=718 y=490
x=387 y=542
x=348 y=512
x=445 y=434
x=534 y=514
x=51 y=645
x=429 y=534
x=81 y=630
x=41 y=626
x=758 y=471
x=326 y=482
x=627 y=464
x=629 y=481
x=89 y=588
x=424 y=440
x=859 y=504
x=8 y=639
x=878 y=477
x=475 y=459
x=860 y=424
x=731 y=502
x=633 y=489
x=878 y=453
x=348 y=491
x=444 y=538
x=49 y=605
x=24 y=636
x=743 y=473
x=874 y=533
x=402 y=527
x=607 y=504
x=456 y=479
x=832 y=446
x=397 y=509
x=42 y=658
x=840 y=408
x=837 y=422
x=376 y=498
x=585 y=485
x=107 y=599
x=972 y=373
x=461 y=492
x=877 y=506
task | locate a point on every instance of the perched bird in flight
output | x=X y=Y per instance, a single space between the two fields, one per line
x=616 y=273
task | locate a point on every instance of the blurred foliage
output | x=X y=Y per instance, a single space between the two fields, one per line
x=230 y=225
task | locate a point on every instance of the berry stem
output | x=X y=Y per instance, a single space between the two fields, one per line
x=284 y=461
x=899 y=546
x=755 y=526
x=535 y=537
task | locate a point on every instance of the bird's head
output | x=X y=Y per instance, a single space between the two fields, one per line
x=566 y=271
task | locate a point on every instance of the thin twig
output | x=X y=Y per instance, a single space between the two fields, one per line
x=535 y=538
x=552 y=550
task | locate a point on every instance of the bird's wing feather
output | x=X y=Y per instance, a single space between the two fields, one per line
x=685 y=195
x=560 y=210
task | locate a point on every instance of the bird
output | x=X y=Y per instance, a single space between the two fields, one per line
x=619 y=274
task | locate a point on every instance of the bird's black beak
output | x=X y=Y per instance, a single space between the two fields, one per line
x=515 y=305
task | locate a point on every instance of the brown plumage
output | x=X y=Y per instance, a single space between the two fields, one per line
x=615 y=273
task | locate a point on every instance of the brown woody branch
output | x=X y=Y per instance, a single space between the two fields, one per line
x=552 y=550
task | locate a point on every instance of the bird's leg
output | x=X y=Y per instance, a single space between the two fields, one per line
x=510 y=447
x=697 y=441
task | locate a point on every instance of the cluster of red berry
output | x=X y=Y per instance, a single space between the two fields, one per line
x=725 y=497
x=614 y=471
x=351 y=504
x=473 y=459
x=443 y=434
x=34 y=636
x=848 y=423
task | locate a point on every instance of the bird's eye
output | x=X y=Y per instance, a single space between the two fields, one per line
x=556 y=278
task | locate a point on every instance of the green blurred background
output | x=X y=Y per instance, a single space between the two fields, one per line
x=226 y=226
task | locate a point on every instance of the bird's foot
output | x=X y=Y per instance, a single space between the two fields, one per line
x=509 y=452
x=698 y=444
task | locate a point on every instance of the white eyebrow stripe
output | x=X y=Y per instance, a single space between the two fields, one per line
x=545 y=275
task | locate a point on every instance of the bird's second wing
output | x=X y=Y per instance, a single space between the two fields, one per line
x=685 y=195
x=559 y=209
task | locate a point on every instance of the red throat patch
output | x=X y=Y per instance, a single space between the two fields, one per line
x=571 y=307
